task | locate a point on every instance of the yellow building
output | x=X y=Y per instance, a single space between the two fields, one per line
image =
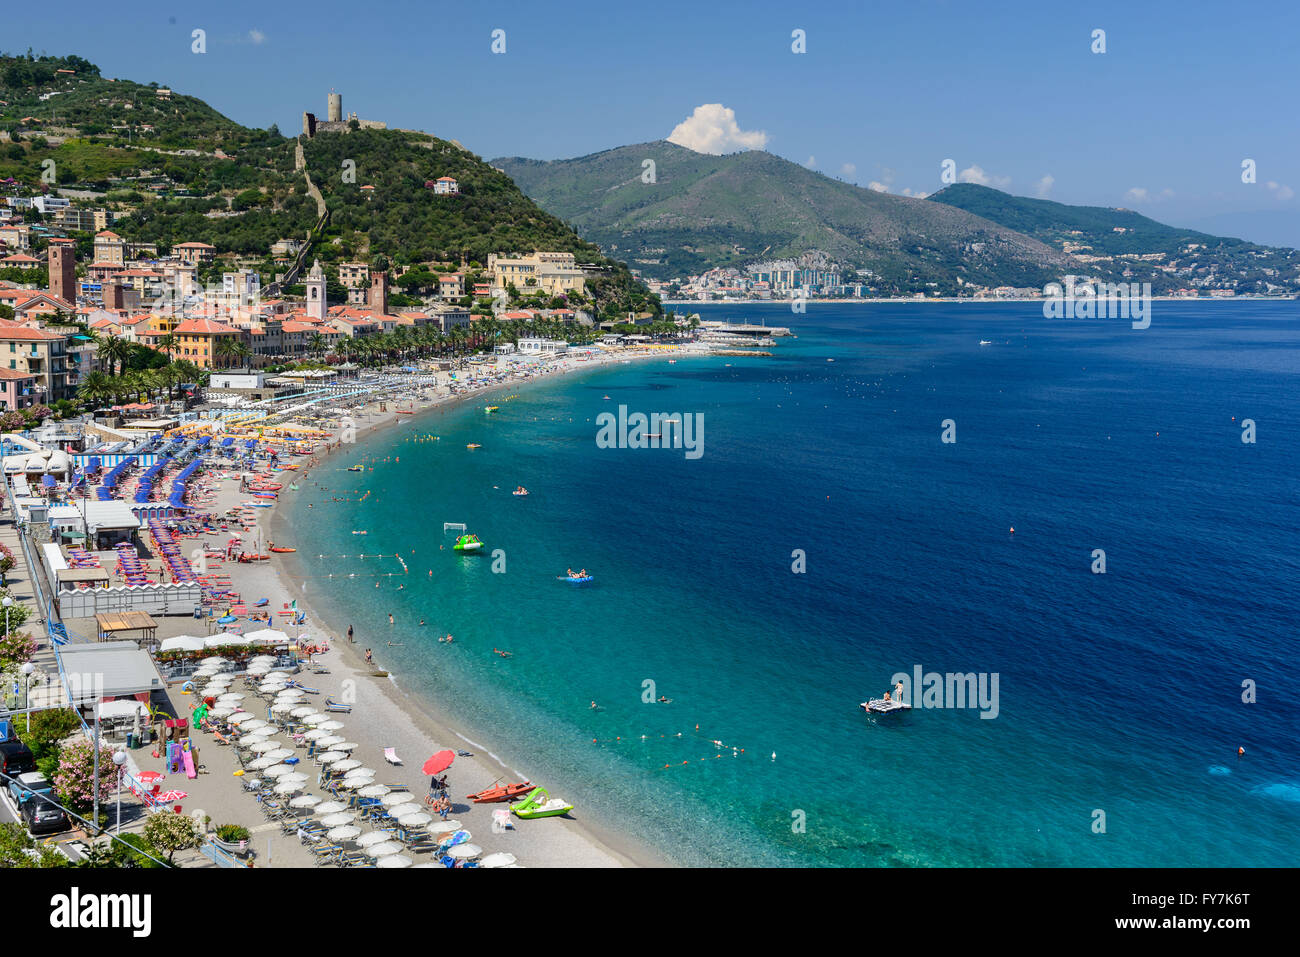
x=554 y=273
x=197 y=341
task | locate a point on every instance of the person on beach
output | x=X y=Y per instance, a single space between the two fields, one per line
x=349 y=632
x=370 y=659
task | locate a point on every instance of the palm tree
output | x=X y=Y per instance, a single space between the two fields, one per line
x=96 y=388
x=225 y=349
x=316 y=344
x=169 y=376
x=168 y=343
x=115 y=351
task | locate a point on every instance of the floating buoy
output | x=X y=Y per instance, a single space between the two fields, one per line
x=1240 y=752
x=773 y=755
x=1013 y=530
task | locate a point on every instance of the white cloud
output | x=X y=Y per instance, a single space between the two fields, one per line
x=1140 y=194
x=1279 y=191
x=256 y=37
x=811 y=162
x=1044 y=186
x=848 y=171
x=975 y=174
x=878 y=187
x=919 y=194
x=712 y=128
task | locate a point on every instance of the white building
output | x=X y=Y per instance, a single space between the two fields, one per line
x=542 y=347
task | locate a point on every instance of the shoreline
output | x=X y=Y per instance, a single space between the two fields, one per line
x=425 y=716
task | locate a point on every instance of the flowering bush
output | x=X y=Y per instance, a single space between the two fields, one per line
x=75 y=778
x=168 y=833
x=12 y=421
x=7 y=560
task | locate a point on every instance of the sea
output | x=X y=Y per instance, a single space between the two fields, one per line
x=1130 y=649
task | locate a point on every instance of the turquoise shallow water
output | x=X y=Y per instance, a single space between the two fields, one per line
x=1118 y=692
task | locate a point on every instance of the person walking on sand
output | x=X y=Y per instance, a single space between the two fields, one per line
x=370 y=659
x=349 y=632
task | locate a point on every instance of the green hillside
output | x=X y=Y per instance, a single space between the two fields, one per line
x=707 y=211
x=177 y=170
x=1110 y=232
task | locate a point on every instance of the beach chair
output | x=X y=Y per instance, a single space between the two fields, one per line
x=390 y=755
x=325 y=853
x=332 y=705
x=421 y=846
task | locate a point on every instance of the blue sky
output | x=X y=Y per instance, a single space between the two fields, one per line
x=1160 y=122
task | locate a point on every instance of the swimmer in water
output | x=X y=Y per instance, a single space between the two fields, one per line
x=503 y=654
x=421 y=622
x=390 y=617
x=663 y=700
x=593 y=706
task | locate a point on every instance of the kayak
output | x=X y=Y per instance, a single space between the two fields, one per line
x=575 y=579
x=540 y=804
x=276 y=548
x=501 y=792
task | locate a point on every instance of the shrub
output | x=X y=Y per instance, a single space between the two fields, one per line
x=232 y=833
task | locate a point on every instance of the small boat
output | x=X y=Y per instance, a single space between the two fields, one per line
x=258 y=504
x=540 y=804
x=489 y=409
x=986 y=342
x=246 y=557
x=520 y=491
x=473 y=445
x=404 y=412
x=881 y=706
x=281 y=548
x=575 y=579
x=354 y=468
x=355 y=532
x=500 y=792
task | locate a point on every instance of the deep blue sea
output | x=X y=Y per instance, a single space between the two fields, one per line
x=1119 y=694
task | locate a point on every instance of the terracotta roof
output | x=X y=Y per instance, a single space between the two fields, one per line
x=15 y=374
x=195 y=246
x=107 y=234
x=26 y=332
x=204 y=327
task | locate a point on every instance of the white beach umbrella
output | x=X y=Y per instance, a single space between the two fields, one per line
x=465 y=852
x=265 y=746
x=384 y=849
x=260 y=668
x=395 y=798
x=279 y=754
x=410 y=807
x=305 y=800
x=329 y=807
x=288 y=787
x=254 y=726
x=497 y=859
x=373 y=791
x=443 y=827
x=277 y=771
x=373 y=837
x=241 y=717
x=331 y=725
x=222 y=710
x=315 y=718
x=347 y=764
x=344 y=832
x=290 y=694
x=297 y=777
x=349 y=784
x=329 y=740
x=345 y=746
x=315 y=734
x=230 y=696
x=393 y=861
x=304 y=711
x=414 y=819
x=329 y=757
x=246 y=742
x=213 y=660
x=338 y=819
x=261 y=764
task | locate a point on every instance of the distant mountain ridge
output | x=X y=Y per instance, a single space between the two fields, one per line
x=705 y=211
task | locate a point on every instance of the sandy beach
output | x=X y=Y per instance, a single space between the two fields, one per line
x=383 y=715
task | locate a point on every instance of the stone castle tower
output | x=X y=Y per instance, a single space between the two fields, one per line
x=379 y=291
x=63 y=272
x=335 y=112
x=315 y=283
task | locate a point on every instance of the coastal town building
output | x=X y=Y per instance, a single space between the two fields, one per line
x=555 y=273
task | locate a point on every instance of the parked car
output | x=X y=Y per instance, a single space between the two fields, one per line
x=16 y=758
x=28 y=783
x=42 y=817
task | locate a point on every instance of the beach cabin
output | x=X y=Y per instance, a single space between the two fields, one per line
x=108 y=671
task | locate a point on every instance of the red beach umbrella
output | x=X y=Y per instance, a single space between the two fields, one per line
x=439 y=762
x=149 y=777
x=168 y=796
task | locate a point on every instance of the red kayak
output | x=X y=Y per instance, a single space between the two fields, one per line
x=500 y=792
